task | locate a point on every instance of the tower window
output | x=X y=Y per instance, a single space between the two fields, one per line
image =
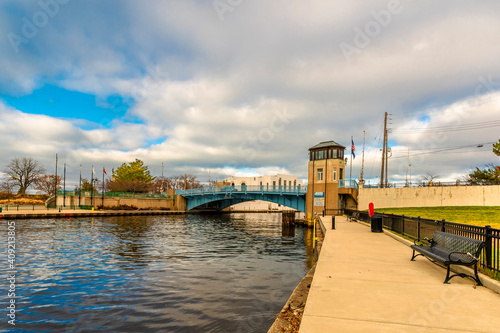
x=320 y=174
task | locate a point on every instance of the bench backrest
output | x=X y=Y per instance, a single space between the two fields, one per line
x=458 y=243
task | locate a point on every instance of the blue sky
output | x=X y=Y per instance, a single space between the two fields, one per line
x=247 y=87
x=58 y=102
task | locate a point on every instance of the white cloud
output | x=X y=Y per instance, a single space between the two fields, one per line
x=207 y=90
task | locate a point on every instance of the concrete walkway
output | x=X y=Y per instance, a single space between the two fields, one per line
x=365 y=282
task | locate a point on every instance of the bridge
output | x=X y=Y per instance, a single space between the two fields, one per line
x=225 y=196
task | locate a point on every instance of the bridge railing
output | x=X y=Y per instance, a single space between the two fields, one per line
x=114 y=194
x=348 y=183
x=245 y=188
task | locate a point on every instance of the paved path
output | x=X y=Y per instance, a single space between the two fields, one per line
x=365 y=282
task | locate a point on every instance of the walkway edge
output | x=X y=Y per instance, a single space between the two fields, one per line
x=292 y=311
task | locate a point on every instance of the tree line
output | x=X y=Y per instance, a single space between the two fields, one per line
x=488 y=176
x=25 y=173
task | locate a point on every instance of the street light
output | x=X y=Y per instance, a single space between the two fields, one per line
x=410 y=173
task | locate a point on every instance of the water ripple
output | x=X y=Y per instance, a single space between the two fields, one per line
x=156 y=274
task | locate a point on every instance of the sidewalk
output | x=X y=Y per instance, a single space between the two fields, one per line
x=365 y=282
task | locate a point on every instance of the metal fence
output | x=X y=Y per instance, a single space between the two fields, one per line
x=424 y=184
x=417 y=227
x=348 y=183
x=16 y=208
x=116 y=194
x=333 y=212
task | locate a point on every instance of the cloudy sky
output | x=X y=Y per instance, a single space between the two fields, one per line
x=241 y=87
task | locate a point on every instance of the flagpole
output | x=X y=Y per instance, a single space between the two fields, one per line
x=350 y=172
x=64 y=186
x=92 y=187
x=80 y=188
x=363 y=160
x=55 y=187
x=102 y=187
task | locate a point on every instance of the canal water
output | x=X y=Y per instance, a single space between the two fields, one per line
x=193 y=273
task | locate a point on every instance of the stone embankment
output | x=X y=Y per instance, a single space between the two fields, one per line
x=288 y=320
x=28 y=214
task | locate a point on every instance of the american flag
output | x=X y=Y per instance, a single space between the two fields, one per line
x=353 y=149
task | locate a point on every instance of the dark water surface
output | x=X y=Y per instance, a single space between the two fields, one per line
x=194 y=273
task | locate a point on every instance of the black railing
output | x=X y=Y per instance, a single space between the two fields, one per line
x=417 y=227
x=333 y=212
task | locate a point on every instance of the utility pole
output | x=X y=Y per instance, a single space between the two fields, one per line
x=407 y=164
x=384 y=155
x=363 y=159
x=350 y=170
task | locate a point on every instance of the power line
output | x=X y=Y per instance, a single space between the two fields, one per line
x=451 y=128
x=422 y=111
x=447 y=150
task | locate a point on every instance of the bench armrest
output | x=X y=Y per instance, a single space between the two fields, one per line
x=463 y=253
x=430 y=241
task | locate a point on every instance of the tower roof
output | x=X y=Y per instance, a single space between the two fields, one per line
x=326 y=144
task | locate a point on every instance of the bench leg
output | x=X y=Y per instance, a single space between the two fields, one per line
x=447 y=274
x=462 y=275
x=415 y=255
x=477 y=276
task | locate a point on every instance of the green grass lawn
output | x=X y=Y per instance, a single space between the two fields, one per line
x=476 y=215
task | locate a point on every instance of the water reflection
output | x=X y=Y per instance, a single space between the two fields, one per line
x=288 y=231
x=195 y=273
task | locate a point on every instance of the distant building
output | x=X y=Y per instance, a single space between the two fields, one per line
x=269 y=182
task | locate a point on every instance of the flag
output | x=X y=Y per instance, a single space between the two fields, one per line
x=104 y=170
x=93 y=171
x=353 y=149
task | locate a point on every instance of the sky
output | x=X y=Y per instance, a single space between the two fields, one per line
x=245 y=87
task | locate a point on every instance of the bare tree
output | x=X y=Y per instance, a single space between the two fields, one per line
x=174 y=183
x=7 y=186
x=24 y=172
x=47 y=184
x=428 y=177
x=160 y=185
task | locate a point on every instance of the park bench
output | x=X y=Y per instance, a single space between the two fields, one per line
x=354 y=216
x=449 y=249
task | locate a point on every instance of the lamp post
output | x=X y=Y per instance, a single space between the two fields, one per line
x=410 y=173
